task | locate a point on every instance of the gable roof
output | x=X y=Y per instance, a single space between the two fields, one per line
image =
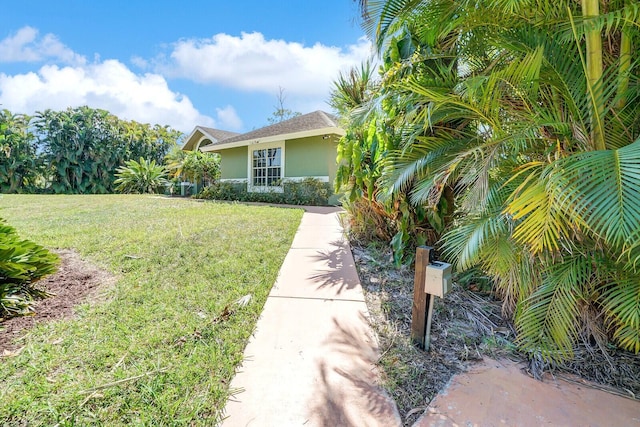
x=200 y=133
x=311 y=124
x=219 y=134
x=307 y=122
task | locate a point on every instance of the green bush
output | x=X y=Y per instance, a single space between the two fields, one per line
x=310 y=191
x=224 y=191
x=141 y=177
x=368 y=221
x=22 y=263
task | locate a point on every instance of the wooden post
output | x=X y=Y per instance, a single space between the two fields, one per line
x=422 y=302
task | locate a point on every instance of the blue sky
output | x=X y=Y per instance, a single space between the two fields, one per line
x=187 y=63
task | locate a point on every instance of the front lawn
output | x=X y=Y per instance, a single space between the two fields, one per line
x=155 y=348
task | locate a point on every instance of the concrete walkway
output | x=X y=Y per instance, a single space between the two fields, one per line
x=311 y=360
x=496 y=393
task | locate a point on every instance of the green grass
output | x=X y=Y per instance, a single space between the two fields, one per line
x=178 y=264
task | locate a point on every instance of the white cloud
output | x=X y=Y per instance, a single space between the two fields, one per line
x=251 y=63
x=139 y=62
x=228 y=118
x=109 y=85
x=26 y=46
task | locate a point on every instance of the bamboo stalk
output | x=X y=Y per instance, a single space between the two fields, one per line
x=625 y=66
x=594 y=73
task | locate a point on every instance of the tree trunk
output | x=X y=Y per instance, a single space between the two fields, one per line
x=625 y=66
x=594 y=74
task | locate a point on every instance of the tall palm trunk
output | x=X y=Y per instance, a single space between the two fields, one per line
x=594 y=74
x=625 y=66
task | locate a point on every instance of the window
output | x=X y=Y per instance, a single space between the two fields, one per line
x=267 y=167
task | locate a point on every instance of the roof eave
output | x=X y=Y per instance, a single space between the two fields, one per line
x=189 y=145
x=295 y=135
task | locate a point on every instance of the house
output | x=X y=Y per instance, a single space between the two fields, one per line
x=264 y=158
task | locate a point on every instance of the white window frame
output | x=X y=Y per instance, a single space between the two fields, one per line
x=264 y=146
x=201 y=140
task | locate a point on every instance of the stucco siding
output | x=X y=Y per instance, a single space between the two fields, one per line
x=333 y=166
x=312 y=156
x=233 y=163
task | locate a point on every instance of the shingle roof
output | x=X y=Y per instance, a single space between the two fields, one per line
x=306 y=122
x=219 y=134
x=200 y=131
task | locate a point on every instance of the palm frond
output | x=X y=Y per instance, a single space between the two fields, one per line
x=379 y=17
x=464 y=244
x=542 y=224
x=603 y=189
x=622 y=309
x=548 y=320
x=614 y=20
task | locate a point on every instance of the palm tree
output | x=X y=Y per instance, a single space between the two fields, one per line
x=19 y=160
x=174 y=161
x=362 y=155
x=535 y=123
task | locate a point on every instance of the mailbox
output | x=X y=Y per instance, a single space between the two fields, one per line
x=437 y=279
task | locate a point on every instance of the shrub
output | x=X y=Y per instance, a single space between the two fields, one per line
x=310 y=191
x=22 y=264
x=223 y=191
x=141 y=177
x=368 y=222
x=201 y=167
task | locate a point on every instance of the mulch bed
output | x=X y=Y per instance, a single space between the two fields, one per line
x=75 y=282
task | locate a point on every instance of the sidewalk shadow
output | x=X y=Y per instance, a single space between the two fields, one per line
x=340 y=273
x=322 y=210
x=347 y=394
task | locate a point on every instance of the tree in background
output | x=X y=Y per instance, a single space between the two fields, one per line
x=174 y=161
x=519 y=115
x=81 y=149
x=193 y=166
x=281 y=113
x=19 y=162
x=78 y=150
x=201 y=168
x=150 y=142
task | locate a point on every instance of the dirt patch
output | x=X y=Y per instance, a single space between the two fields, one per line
x=467 y=327
x=75 y=282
